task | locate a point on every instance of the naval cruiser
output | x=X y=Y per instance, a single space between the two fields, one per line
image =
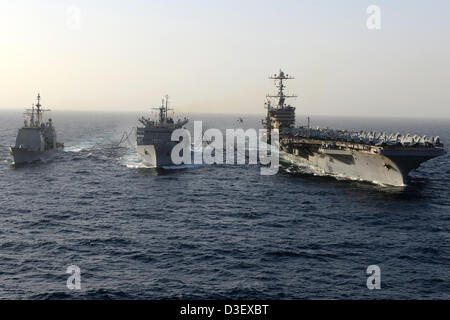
x=154 y=144
x=378 y=157
x=36 y=140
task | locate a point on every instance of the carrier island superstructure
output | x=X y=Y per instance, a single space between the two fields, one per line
x=154 y=144
x=36 y=140
x=377 y=157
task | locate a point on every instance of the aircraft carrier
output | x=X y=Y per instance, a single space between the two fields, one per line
x=154 y=145
x=36 y=140
x=376 y=157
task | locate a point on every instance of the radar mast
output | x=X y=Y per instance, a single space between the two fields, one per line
x=282 y=115
x=280 y=77
x=36 y=113
x=164 y=110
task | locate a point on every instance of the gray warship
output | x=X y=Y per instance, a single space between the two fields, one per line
x=376 y=157
x=36 y=140
x=154 y=144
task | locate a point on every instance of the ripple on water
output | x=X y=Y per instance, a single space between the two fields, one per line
x=207 y=232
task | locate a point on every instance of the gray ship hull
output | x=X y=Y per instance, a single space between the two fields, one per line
x=21 y=156
x=156 y=155
x=389 y=167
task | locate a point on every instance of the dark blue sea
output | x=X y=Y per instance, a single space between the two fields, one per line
x=215 y=231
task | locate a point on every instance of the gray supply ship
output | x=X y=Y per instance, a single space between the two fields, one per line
x=154 y=145
x=377 y=157
x=36 y=140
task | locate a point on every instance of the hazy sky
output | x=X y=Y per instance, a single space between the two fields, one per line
x=215 y=56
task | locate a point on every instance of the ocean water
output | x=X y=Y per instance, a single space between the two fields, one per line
x=215 y=231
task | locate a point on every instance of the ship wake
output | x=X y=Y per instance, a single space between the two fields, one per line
x=298 y=167
x=131 y=160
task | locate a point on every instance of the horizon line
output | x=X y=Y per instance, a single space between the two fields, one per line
x=262 y=113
